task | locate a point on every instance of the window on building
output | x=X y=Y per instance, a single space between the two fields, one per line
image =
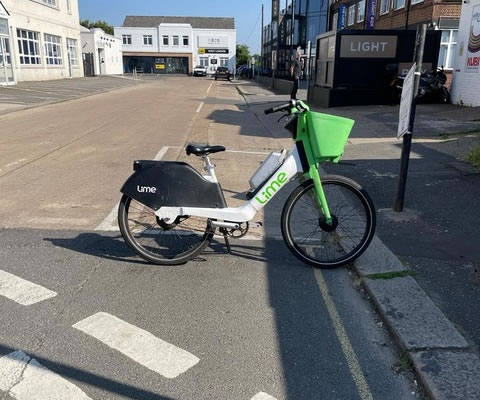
x=72 y=49
x=53 y=49
x=204 y=61
x=147 y=40
x=29 y=47
x=175 y=40
x=361 y=7
x=350 y=15
x=385 y=4
x=398 y=4
x=416 y=1
x=334 y=22
x=127 y=39
x=185 y=40
x=165 y=40
x=449 y=40
x=69 y=6
x=52 y=3
x=224 y=61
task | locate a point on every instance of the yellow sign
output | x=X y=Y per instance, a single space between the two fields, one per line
x=159 y=66
x=201 y=51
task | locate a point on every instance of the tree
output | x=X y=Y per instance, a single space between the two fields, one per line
x=104 y=25
x=242 y=54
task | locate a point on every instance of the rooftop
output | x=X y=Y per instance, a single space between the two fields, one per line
x=195 y=22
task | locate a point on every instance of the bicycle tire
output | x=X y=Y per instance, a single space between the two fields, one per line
x=310 y=251
x=165 y=236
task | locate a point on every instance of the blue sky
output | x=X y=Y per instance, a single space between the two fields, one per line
x=245 y=12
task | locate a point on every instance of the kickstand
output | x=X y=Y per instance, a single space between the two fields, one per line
x=227 y=244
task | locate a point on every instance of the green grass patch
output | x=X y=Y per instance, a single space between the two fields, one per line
x=473 y=157
x=403 y=364
x=391 y=275
x=460 y=133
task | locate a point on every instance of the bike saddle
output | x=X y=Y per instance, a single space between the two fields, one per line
x=201 y=150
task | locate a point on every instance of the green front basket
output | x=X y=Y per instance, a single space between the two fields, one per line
x=328 y=135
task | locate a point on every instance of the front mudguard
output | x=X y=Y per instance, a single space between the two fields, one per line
x=171 y=184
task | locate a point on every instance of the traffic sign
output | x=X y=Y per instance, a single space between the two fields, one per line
x=406 y=103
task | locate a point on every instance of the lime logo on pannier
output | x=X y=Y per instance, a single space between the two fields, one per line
x=146 y=189
x=272 y=188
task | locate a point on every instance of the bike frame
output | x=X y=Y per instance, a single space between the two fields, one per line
x=291 y=168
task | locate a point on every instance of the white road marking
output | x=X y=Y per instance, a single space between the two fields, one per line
x=24 y=378
x=161 y=153
x=110 y=221
x=263 y=396
x=208 y=90
x=16 y=162
x=200 y=107
x=21 y=290
x=138 y=344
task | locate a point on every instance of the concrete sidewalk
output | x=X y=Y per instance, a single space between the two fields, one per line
x=422 y=269
x=33 y=94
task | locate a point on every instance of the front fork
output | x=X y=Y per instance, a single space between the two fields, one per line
x=320 y=196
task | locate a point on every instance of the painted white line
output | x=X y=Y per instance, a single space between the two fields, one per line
x=208 y=90
x=263 y=396
x=138 y=344
x=16 y=162
x=247 y=152
x=200 y=107
x=24 y=378
x=349 y=354
x=109 y=223
x=21 y=290
x=161 y=153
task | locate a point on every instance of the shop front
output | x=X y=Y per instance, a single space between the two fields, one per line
x=6 y=58
x=158 y=64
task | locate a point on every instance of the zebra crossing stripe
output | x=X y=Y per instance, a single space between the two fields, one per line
x=138 y=344
x=21 y=290
x=263 y=396
x=24 y=378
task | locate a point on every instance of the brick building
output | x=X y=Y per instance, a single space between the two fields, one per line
x=402 y=14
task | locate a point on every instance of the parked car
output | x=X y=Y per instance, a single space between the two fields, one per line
x=222 y=72
x=200 y=70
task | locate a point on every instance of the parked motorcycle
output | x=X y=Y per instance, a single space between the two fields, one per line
x=432 y=87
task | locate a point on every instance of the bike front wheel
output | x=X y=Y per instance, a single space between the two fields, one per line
x=311 y=239
x=158 y=241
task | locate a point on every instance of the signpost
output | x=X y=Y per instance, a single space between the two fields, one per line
x=406 y=103
x=406 y=122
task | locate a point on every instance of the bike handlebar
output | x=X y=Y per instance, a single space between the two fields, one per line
x=283 y=107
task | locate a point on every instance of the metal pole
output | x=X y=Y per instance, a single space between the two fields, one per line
x=407 y=138
x=262 y=35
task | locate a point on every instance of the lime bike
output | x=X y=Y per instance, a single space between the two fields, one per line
x=169 y=212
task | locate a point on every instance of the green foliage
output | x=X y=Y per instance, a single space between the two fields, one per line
x=242 y=54
x=107 y=28
x=473 y=157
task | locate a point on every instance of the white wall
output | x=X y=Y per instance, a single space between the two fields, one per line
x=110 y=51
x=203 y=38
x=465 y=86
x=227 y=39
x=36 y=16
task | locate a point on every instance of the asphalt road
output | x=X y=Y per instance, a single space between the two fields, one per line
x=82 y=317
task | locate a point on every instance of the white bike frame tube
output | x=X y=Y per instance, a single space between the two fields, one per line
x=289 y=170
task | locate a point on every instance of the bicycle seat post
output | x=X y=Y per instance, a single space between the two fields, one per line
x=209 y=167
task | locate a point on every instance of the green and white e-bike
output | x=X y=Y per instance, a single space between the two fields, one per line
x=169 y=212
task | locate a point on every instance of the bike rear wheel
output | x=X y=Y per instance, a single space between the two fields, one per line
x=160 y=242
x=311 y=239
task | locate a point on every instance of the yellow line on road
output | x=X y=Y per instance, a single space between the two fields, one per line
x=354 y=366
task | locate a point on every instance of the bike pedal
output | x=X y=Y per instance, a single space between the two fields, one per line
x=255 y=224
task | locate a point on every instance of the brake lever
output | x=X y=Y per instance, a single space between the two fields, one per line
x=282 y=116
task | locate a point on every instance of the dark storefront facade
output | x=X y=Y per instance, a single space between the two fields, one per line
x=156 y=65
x=287 y=31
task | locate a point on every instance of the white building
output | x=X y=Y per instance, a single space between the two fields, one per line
x=39 y=40
x=465 y=87
x=177 y=44
x=101 y=52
